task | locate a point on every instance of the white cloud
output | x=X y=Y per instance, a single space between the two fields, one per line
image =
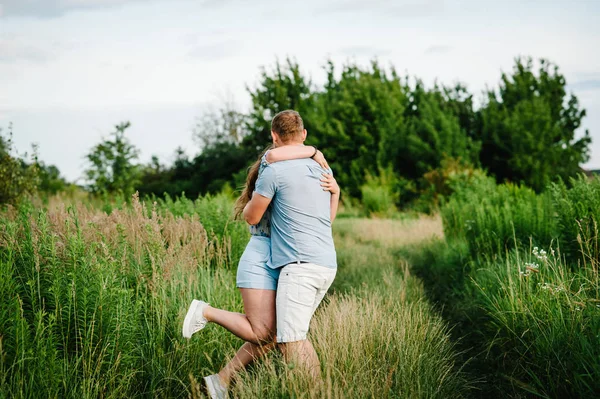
x=165 y=55
x=438 y=49
x=216 y=51
x=53 y=8
x=366 y=51
x=14 y=49
x=57 y=8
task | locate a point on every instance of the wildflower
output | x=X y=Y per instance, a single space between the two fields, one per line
x=540 y=254
x=578 y=308
x=525 y=273
x=532 y=267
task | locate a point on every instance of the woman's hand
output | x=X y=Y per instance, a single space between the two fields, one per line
x=329 y=183
x=320 y=159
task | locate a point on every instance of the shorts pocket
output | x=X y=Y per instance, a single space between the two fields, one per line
x=298 y=289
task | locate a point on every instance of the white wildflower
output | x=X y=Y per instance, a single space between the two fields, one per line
x=532 y=267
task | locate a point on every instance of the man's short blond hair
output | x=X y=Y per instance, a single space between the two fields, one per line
x=288 y=125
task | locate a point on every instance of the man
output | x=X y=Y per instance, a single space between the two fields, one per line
x=301 y=239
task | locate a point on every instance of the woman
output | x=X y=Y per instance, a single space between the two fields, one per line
x=255 y=279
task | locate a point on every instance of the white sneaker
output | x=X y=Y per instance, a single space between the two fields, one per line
x=194 y=319
x=215 y=387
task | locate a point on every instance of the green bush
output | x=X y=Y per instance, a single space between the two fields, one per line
x=17 y=178
x=535 y=311
x=493 y=217
x=378 y=193
x=216 y=215
x=577 y=211
x=544 y=322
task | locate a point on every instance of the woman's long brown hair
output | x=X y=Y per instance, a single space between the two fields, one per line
x=246 y=195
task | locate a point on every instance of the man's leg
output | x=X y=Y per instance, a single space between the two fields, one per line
x=302 y=354
x=300 y=291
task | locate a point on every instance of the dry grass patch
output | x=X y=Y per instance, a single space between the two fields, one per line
x=391 y=233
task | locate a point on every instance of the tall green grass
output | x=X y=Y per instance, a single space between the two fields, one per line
x=518 y=278
x=91 y=305
x=493 y=218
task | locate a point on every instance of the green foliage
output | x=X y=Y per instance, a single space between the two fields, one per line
x=215 y=214
x=529 y=125
x=283 y=87
x=431 y=133
x=17 y=178
x=91 y=305
x=378 y=193
x=493 y=218
x=367 y=118
x=544 y=322
x=111 y=168
x=577 y=213
x=354 y=115
x=518 y=275
x=50 y=180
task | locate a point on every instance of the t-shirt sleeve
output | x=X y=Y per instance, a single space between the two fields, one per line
x=266 y=185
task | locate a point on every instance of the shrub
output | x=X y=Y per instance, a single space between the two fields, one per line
x=493 y=218
x=577 y=211
x=544 y=322
x=378 y=193
x=17 y=178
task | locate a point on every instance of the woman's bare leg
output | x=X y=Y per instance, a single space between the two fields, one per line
x=258 y=324
x=248 y=353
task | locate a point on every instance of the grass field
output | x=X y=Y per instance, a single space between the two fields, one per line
x=499 y=296
x=91 y=305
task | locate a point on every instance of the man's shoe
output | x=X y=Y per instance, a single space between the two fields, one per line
x=215 y=387
x=194 y=319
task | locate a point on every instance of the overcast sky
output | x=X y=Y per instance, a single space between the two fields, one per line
x=72 y=69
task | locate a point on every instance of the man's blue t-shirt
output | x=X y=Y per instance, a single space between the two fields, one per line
x=300 y=215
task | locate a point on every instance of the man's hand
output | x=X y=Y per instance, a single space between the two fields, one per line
x=255 y=209
x=329 y=183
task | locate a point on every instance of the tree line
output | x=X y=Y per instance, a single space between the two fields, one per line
x=376 y=128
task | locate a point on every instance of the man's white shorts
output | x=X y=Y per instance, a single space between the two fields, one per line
x=300 y=290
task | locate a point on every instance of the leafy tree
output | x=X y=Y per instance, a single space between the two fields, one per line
x=458 y=101
x=17 y=178
x=353 y=118
x=216 y=166
x=529 y=125
x=226 y=124
x=111 y=164
x=284 y=87
x=50 y=180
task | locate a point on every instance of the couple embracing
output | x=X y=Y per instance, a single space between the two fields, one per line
x=289 y=201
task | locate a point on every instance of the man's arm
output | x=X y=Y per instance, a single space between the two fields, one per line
x=264 y=190
x=256 y=208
